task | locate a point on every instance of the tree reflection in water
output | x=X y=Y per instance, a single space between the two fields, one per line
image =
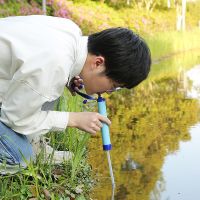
x=147 y=124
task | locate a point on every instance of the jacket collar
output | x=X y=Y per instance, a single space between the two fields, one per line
x=80 y=58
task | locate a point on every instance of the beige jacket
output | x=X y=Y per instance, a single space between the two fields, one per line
x=38 y=56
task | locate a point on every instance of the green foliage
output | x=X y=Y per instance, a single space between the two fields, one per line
x=163 y=45
x=45 y=180
x=19 y=7
x=147 y=4
x=86 y=14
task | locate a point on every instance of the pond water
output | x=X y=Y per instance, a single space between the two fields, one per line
x=155 y=135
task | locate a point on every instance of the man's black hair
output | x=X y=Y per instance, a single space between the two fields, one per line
x=127 y=56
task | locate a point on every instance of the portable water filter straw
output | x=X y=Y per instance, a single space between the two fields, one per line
x=106 y=136
x=105 y=132
x=105 y=129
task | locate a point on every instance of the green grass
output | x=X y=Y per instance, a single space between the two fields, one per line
x=71 y=179
x=172 y=42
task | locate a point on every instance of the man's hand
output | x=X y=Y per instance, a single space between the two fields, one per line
x=90 y=122
x=75 y=84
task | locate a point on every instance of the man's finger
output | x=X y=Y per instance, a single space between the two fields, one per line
x=104 y=119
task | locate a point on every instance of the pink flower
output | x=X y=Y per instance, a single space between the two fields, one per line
x=144 y=21
x=2 y=1
x=30 y=10
x=61 y=13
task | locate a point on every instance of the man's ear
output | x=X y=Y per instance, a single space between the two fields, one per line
x=99 y=65
x=99 y=61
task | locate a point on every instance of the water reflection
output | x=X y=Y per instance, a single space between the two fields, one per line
x=193 y=75
x=181 y=170
x=147 y=125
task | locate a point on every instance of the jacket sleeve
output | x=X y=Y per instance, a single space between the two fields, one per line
x=21 y=111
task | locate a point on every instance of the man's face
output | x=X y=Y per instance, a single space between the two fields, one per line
x=98 y=83
x=94 y=77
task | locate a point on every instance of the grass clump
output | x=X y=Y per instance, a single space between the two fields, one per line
x=44 y=179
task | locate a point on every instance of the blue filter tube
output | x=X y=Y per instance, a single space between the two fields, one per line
x=106 y=139
x=105 y=129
